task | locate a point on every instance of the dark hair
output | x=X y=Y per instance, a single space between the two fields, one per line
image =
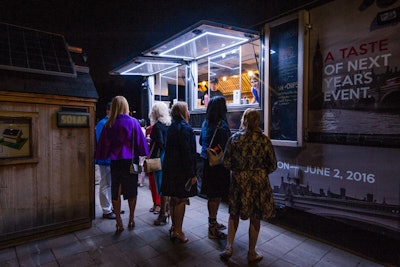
x=142 y=122
x=216 y=109
x=108 y=106
x=214 y=80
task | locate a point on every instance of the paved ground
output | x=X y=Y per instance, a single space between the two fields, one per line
x=149 y=245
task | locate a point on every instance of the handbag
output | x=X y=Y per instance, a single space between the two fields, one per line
x=152 y=164
x=215 y=154
x=135 y=168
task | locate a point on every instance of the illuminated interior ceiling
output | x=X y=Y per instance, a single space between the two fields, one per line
x=146 y=66
x=201 y=40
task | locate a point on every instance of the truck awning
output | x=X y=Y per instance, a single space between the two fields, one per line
x=200 y=40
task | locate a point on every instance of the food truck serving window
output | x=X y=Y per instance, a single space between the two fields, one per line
x=233 y=73
x=201 y=61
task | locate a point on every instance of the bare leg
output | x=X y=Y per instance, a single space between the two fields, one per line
x=132 y=207
x=179 y=214
x=172 y=205
x=163 y=209
x=213 y=205
x=162 y=217
x=254 y=230
x=232 y=228
x=117 y=210
x=213 y=226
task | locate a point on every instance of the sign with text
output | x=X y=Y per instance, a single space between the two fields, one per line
x=72 y=119
x=355 y=72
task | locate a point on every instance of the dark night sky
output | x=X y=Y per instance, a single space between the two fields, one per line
x=112 y=32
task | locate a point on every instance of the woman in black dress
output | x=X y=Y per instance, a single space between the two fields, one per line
x=179 y=168
x=215 y=182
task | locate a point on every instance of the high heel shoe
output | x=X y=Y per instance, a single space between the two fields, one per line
x=131 y=225
x=119 y=227
x=226 y=254
x=254 y=257
x=162 y=219
x=180 y=237
x=171 y=233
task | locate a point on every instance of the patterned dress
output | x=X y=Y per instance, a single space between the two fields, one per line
x=251 y=157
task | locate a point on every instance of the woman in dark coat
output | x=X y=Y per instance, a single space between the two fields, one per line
x=179 y=168
x=160 y=120
x=215 y=182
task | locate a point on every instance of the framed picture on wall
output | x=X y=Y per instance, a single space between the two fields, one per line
x=16 y=136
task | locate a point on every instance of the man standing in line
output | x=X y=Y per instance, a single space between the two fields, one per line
x=105 y=174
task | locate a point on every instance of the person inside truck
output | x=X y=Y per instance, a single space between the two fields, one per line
x=254 y=81
x=214 y=91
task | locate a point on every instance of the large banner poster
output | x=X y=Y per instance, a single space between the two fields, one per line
x=354 y=94
x=355 y=72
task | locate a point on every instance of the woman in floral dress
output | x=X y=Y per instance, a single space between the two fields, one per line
x=250 y=156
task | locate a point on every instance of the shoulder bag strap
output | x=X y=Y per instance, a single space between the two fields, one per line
x=216 y=129
x=152 y=148
x=133 y=141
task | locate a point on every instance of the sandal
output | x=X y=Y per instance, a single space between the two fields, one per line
x=220 y=226
x=157 y=210
x=254 y=257
x=214 y=233
x=226 y=254
x=180 y=237
x=119 y=226
x=162 y=219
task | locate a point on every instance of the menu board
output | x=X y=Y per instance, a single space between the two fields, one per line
x=284 y=80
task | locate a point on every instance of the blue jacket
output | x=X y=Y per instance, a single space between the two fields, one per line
x=99 y=128
x=207 y=132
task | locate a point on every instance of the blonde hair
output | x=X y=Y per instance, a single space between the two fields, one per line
x=159 y=112
x=119 y=105
x=180 y=109
x=250 y=120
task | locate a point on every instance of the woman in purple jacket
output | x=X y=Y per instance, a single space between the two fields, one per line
x=120 y=132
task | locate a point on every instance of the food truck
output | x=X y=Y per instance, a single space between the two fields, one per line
x=328 y=82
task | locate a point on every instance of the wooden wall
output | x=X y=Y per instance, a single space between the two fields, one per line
x=51 y=192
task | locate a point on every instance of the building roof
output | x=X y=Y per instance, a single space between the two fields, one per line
x=33 y=61
x=16 y=81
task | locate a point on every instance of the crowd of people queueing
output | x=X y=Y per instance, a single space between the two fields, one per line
x=241 y=178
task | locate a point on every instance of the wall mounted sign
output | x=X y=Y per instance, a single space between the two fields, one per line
x=72 y=119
